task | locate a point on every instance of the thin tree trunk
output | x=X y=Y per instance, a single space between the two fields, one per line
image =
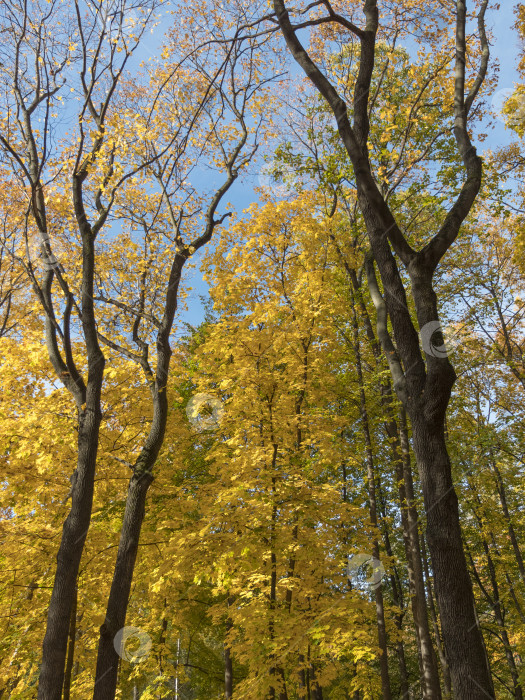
x=71 y=648
x=430 y=686
x=397 y=597
x=397 y=432
x=228 y=665
x=495 y=603
x=512 y=534
x=273 y=572
x=378 y=588
x=108 y=657
x=447 y=682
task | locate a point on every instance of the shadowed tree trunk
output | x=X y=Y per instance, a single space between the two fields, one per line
x=228 y=666
x=108 y=658
x=372 y=504
x=397 y=432
x=423 y=382
x=70 y=649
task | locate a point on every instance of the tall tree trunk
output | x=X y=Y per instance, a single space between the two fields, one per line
x=430 y=686
x=274 y=672
x=372 y=500
x=445 y=670
x=74 y=532
x=425 y=391
x=87 y=397
x=422 y=382
x=465 y=652
x=108 y=657
x=397 y=432
x=228 y=665
x=500 y=486
x=70 y=649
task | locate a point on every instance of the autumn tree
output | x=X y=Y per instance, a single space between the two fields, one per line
x=74 y=61
x=423 y=381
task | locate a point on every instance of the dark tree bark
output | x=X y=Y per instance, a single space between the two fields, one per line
x=228 y=665
x=372 y=504
x=87 y=397
x=397 y=432
x=70 y=649
x=228 y=673
x=423 y=382
x=108 y=658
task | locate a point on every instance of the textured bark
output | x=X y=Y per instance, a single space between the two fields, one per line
x=107 y=658
x=76 y=525
x=461 y=634
x=74 y=534
x=422 y=382
x=397 y=432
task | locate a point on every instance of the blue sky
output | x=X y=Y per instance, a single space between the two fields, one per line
x=504 y=51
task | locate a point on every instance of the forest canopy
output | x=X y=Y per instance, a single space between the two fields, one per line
x=303 y=478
